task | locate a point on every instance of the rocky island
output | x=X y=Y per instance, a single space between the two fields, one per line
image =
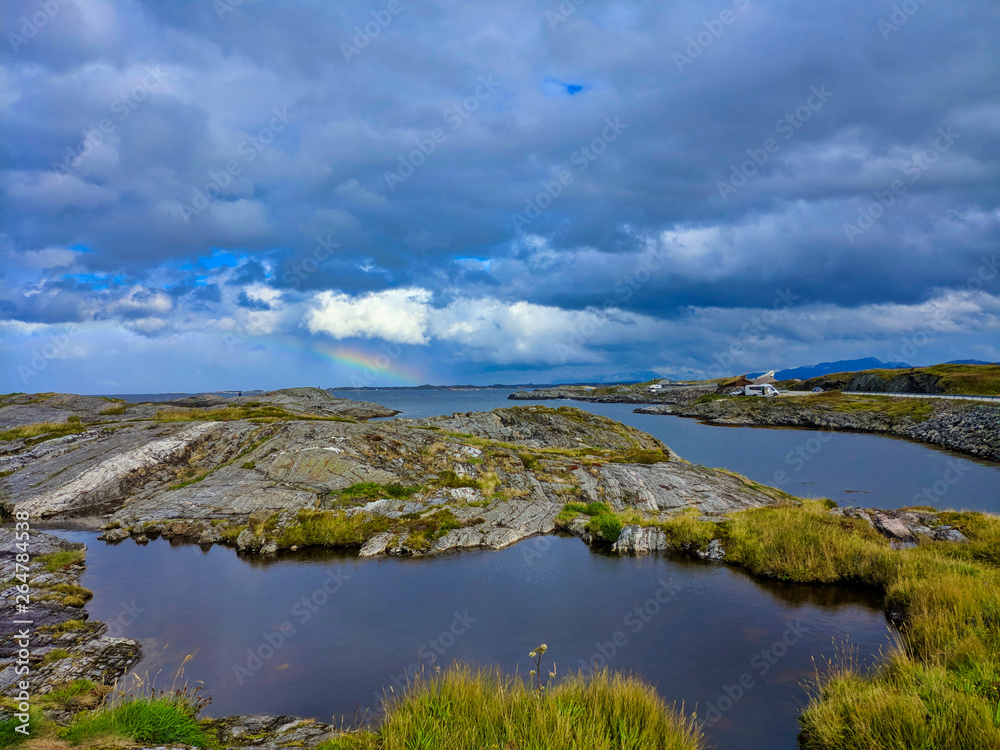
x=298 y=467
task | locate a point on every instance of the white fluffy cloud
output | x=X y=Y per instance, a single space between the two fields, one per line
x=395 y=315
x=510 y=333
x=487 y=328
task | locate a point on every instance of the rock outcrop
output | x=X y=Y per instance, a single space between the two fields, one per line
x=640 y=540
x=468 y=480
x=904 y=382
x=64 y=645
x=964 y=427
x=904 y=527
x=266 y=732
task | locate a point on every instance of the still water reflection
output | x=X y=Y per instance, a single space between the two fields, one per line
x=322 y=634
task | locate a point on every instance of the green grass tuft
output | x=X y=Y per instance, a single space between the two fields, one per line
x=640 y=456
x=529 y=461
x=41 y=431
x=375 y=491
x=808 y=545
x=572 y=510
x=75 y=689
x=153 y=721
x=450 y=479
x=332 y=529
x=190 y=476
x=10 y=737
x=56 y=654
x=483 y=708
x=607 y=527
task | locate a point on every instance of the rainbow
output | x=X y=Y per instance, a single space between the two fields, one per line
x=374 y=368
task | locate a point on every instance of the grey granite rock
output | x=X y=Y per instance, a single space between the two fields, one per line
x=714 y=551
x=377 y=545
x=640 y=540
x=904 y=527
x=262 y=731
x=95 y=655
x=114 y=535
x=674 y=486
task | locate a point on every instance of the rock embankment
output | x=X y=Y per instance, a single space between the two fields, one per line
x=64 y=644
x=964 y=427
x=906 y=382
x=619 y=394
x=265 y=481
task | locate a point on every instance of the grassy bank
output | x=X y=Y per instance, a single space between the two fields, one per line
x=941 y=688
x=464 y=708
x=42 y=431
x=142 y=716
x=917 y=409
x=972 y=380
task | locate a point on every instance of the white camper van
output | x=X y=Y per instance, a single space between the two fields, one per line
x=765 y=389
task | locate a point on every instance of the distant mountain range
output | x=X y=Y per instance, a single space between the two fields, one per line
x=841 y=365
x=854 y=365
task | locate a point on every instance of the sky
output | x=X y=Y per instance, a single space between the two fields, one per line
x=260 y=194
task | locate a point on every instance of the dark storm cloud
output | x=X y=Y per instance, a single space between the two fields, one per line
x=749 y=147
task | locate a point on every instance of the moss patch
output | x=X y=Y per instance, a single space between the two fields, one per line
x=62 y=559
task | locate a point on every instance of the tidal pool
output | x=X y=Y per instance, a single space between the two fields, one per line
x=320 y=634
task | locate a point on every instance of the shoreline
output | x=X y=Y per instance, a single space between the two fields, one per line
x=968 y=428
x=846 y=430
